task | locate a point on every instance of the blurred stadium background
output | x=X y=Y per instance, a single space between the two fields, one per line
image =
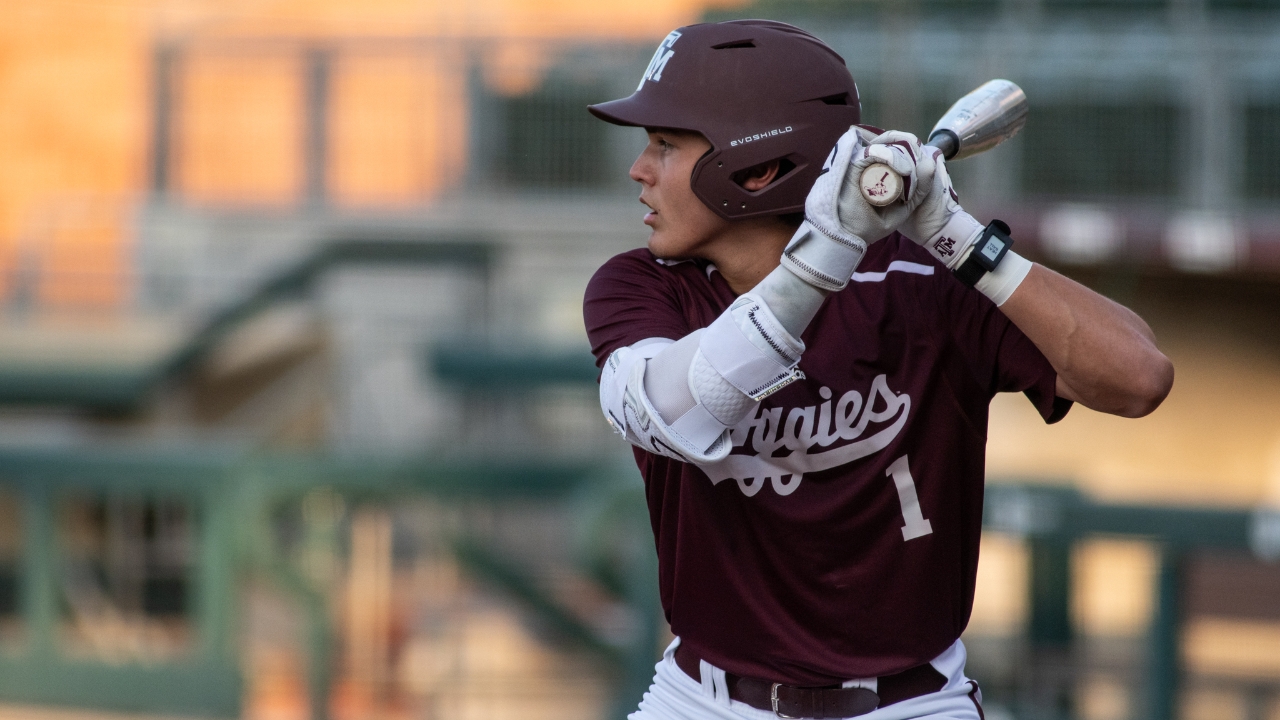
x=262 y=454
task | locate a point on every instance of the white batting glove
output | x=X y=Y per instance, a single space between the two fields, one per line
x=939 y=224
x=943 y=228
x=839 y=222
x=824 y=253
x=902 y=152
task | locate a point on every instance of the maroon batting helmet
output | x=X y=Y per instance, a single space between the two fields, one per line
x=758 y=90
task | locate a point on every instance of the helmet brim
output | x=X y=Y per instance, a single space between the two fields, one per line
x=635 y=112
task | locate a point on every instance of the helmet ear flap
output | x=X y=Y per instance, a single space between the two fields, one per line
x=758 y=176
x=787 y=164
x=784 y=165
x=722 y=188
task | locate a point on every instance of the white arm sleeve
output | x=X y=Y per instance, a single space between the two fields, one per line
x=679 y=399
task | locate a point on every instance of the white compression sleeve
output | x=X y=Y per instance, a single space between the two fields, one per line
x=793 y=301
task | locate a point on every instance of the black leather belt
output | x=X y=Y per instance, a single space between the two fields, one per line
x=832 y=701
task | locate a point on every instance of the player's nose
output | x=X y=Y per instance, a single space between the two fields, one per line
x=642 y=170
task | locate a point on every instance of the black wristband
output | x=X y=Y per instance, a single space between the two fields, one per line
x=986 y=253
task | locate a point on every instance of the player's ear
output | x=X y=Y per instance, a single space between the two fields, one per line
x=758 y=177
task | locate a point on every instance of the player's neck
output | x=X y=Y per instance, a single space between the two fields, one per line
x=749 y=253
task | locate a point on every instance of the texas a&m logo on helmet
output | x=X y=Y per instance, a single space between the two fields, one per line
x=661 y=57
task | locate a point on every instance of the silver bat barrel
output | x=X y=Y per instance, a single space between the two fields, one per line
x=979 y=121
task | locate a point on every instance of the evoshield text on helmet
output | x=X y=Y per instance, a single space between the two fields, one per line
x=758 y=90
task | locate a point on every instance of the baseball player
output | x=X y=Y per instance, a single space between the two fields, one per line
x=806 y=381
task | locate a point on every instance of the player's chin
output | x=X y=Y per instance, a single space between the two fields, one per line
x=668 y=245
x=662 y=247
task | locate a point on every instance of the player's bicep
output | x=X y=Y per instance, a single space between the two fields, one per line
x=626 y=303
x=1001 y=358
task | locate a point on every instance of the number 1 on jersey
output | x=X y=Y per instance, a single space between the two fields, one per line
x=915 y=524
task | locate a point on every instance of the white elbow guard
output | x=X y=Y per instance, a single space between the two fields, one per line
x=743 y=356
x=696 y=436
x=750 y=349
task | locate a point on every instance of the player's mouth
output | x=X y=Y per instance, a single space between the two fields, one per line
x=651 y=216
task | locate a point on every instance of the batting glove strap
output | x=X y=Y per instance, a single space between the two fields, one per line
x=750 y=349
x=822 y=257
x=951 y=244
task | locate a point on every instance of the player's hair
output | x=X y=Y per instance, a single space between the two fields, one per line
x=759 y=91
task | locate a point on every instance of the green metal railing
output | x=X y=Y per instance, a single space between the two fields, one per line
x=235 y=497
x=206 y=680
x=1053 y=519
x=234 y=500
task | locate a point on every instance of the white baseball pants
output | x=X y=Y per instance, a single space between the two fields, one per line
x=676 y=696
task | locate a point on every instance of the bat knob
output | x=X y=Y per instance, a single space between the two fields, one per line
x=880 y=185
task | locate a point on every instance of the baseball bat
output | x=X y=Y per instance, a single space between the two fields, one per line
x=977 y=122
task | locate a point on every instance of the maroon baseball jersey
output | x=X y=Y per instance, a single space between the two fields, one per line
x=840 y=538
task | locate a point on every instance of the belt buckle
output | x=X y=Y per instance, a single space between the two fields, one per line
x=773 y=697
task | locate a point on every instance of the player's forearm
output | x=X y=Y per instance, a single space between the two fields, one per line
x=674 y=385
x=1104 y=354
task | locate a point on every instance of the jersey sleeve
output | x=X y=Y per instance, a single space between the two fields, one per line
x=1002 y=358
x=629 y=299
